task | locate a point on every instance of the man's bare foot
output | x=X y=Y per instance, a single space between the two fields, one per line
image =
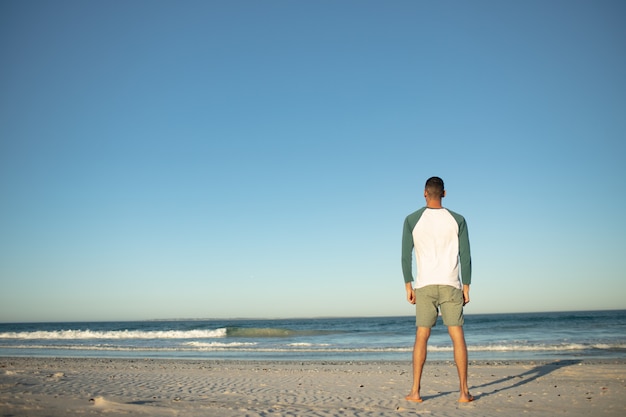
x=414 y=398
x=467 y=398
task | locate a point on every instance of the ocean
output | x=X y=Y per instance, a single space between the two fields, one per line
x=520 y=336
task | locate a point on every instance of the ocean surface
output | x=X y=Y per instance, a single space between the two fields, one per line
x=528 y=336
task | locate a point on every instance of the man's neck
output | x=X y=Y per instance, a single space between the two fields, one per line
x=434 y=204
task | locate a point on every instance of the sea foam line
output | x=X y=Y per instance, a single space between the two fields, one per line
x=254 y=347
x=115 y=334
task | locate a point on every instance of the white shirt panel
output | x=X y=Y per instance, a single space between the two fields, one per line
x=436 y=241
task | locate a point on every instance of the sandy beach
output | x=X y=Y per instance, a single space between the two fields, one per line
x=151 y=387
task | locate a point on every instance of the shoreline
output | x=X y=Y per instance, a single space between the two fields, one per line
x=35 y=386
x=472 y=362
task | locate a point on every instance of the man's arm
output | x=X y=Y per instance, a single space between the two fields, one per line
x=410 y=292
x=407 y=252
x=466 y=298
x=465 y=255
x=407 y=261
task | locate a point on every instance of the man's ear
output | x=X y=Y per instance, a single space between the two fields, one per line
x=444 y=194
x=425 y=194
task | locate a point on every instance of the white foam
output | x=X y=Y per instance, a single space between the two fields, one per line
x=115 y=334
x=217 y=344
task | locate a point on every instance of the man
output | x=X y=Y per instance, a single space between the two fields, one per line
x=444 y=273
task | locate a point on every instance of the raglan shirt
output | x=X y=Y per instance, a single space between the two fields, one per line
x=442 y=251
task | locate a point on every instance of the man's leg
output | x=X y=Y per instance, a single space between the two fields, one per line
x=460 y=358
x=419 y=358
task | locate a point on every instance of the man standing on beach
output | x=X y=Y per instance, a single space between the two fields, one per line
x=444 y=273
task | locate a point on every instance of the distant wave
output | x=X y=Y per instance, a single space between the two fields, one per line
x=258 y=332
x=115 y=334
x=255 y=332
x=241 y=332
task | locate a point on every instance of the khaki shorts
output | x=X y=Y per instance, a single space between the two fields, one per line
x=431 y=298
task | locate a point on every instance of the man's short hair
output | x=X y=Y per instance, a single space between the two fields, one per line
x=434 y=187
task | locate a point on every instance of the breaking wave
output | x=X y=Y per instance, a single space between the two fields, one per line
x=115 y=334
x=241 y=332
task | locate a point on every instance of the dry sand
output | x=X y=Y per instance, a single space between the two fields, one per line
x=123 y=387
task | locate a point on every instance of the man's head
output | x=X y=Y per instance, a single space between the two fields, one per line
x=434 y=189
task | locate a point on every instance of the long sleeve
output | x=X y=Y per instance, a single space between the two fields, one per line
x=465 y=254
x=407 y=252
x=408 y=244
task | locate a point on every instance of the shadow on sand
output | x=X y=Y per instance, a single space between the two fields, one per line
x=519 y=379
x=526 y=377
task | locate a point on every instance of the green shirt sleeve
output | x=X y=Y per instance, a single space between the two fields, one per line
x=407 y=244
x=407 y=252
x=464 y=250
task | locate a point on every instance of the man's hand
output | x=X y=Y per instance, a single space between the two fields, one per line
x=410 y=293
x=466 y=298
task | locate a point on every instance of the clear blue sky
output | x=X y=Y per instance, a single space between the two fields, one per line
x=190 y=159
